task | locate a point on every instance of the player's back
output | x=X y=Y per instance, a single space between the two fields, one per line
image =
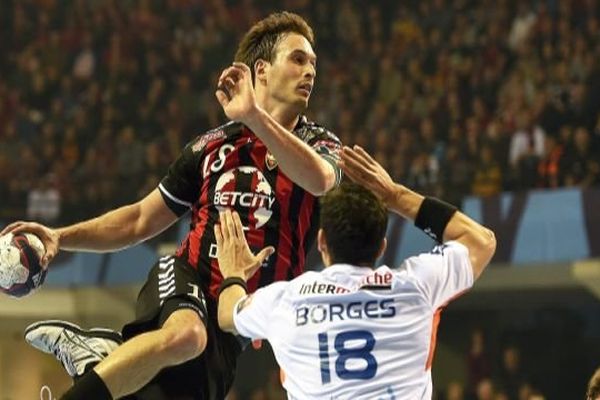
x=368 y=334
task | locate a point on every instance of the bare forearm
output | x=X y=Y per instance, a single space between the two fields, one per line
x=478 y=239
x=296 y=159
x=112 y=231
x=227 y=301
x=119 y=228
x=404 y=202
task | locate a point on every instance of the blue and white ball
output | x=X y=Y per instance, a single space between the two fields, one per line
x=21 y=272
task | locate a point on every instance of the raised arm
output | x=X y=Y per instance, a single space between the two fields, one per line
x=114 y=230
x=359 y=166
x=296 y=159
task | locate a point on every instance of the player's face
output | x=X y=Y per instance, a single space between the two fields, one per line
x=291 y=76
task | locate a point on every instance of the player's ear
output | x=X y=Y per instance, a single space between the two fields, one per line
x=261 y=68
x=382 y=248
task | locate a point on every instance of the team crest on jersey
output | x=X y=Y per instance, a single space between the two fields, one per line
x=270 y=161
x=204 y=139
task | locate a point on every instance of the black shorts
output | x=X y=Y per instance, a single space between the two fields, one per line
x=174 y=285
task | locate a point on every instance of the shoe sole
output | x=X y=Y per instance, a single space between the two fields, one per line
x=92 y=333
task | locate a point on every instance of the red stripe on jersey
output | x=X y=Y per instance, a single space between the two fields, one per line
x=304 y=224
x=195 y=237
x=284 y=249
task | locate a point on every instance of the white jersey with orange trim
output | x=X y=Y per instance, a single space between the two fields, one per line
x=351 y=332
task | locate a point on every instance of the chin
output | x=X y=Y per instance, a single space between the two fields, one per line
x=301 y=103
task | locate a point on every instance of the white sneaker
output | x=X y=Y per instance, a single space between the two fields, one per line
x=74 y=347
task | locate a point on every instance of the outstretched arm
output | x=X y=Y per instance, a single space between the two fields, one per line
x=296 y=159
x=359 y=166
x=114 y=230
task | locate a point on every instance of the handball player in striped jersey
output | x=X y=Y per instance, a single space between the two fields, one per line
x=269 y=164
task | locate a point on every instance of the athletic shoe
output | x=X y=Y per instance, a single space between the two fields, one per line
x=73 y=346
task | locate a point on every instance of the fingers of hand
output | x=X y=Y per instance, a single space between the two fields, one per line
x=352 y=163
x=223 y=94
x=358 y=155
x=242 y=66
x=362 y=153
x=264 y=253
x=218 y=236
x=11 y=227
x=239 y=228
x=48 y=256
x=230 y=224
x=224 y=227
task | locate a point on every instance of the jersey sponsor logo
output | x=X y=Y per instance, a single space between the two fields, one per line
x=245 y=187
x=207 y=137
x=321 y=288
x=320 y=313
x=377 y=281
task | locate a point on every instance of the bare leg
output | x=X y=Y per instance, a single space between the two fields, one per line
x=133 y=364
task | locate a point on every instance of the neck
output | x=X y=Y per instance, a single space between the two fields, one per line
x=286 y=115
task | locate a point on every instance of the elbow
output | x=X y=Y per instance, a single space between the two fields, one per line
x=488 y=247
x=490 y=243
x=324 y=182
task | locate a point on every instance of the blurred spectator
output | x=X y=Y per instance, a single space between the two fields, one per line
x=479 y=366
x=44 y=201
x=511 y=375
x=485 y=390
x=526 y=149
x=488 y=175
x=581 y=167
x=549 y=170
x=455 y=391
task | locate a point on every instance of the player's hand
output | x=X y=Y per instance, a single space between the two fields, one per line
x=359 y=166
x=49 y=237
x=236 y=94
x=233 y=253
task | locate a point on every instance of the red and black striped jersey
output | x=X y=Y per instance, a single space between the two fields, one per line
x=229 y=167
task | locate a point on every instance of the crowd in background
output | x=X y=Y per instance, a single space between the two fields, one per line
x=454 y=97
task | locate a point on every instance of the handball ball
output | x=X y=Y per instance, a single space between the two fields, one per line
x=21 y=272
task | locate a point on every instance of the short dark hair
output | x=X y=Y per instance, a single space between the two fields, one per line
x=260 y=41
x=354 y=222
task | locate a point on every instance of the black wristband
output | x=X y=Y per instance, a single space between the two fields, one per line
x=433 y=216
x=234 y=280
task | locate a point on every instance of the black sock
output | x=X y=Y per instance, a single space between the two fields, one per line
x=89 y=387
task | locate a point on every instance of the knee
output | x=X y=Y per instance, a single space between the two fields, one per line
x=184 y=337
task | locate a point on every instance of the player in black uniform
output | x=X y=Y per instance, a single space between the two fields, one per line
x=269 y=163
